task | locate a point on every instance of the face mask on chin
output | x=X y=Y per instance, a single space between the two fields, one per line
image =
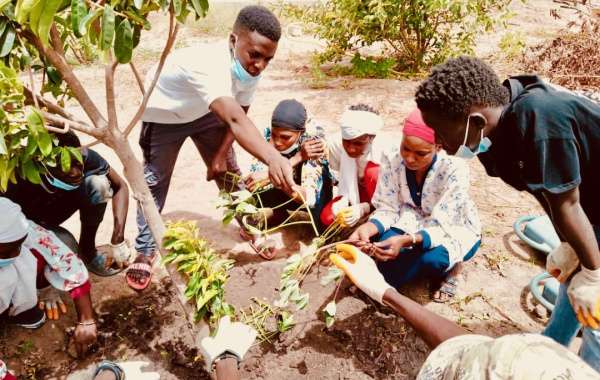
x=290 y=149
x=465 y=152
x=239 y=72
x=57 y=183
x=6 y=262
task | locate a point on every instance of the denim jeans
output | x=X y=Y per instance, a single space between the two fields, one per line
x=564 y=326
x=160 y=145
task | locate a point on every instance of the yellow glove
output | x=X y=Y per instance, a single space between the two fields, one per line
x=562 y=262
x=361 y=269
x=584 y=294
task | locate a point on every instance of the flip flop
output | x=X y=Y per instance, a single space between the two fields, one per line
x=448 y=288
x=98 y=267
x=144 y=268
x=264 y=251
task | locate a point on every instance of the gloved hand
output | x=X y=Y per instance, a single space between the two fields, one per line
x=339 y=205
x=361 y=269
x=51 y=302
x=354 y=213
x=133 y=370
x=584 y=294
x=235 y=338
x=121 y=253
x=562 y=262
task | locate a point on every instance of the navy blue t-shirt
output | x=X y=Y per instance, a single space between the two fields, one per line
x=548 y=140
x=49 y=206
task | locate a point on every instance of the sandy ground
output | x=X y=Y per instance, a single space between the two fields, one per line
x=367 y=341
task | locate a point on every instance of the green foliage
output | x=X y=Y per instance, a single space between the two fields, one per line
x=416 y=34
x=370 y=67
x=512 y=45
x=27 y=150
x=205 y=270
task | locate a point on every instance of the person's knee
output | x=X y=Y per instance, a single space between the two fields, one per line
x=435 y=262
x=98 y=189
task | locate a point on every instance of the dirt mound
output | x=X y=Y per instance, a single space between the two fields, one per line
x=570 y=60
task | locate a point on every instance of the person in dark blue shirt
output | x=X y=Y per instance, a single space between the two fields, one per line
x=86 y=188
x=537 y=138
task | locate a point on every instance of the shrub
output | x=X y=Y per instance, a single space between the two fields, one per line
x=415 y=33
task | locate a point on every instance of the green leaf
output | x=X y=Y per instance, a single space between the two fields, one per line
x=45 y=143
x=47 y=18
x=3 y=3
x=210 y=294
x=176 y=7
x=199 y=7
x=65 y=160
x=108 y=28
x=8 y=41
x=332 y=275
x=138 y=3
x=34 y=16
x=330 y=311
x=84 y=24
x=31 y=172
x=75 y=152
x=78 y=13
x=3 y=149
x=124 y=42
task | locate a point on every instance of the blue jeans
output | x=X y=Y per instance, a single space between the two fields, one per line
x=415 y=262
x=160 y=145
x=564 y=326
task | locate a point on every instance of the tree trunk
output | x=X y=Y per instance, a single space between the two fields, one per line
x=134 y=173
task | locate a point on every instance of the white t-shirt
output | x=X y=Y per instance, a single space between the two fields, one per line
x=191 y=79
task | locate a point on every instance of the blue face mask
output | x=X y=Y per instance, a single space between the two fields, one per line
x=240 y=73
x=465 y=152
x=6 y=262
x=60 y=184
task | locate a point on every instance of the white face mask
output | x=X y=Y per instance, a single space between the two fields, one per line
x=465 y=152
x=290 y=149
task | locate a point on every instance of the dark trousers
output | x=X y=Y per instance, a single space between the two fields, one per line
x=415 y=262
x=160 y=145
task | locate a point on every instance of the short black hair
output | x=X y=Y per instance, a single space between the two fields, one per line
x=68 y=139
x=260 y=19
x=453 y=87
x=363 y=107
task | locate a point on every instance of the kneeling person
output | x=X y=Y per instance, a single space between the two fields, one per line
x=355 y=155
x=86 y=188
x=425 y=223
x=32 y=257
x=288 y=133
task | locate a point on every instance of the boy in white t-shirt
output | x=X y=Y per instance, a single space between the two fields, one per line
x=204 y=92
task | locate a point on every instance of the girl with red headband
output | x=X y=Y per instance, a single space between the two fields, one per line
x=425 y=224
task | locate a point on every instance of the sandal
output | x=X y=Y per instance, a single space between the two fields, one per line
x=145 y=268
x=98 y=267
x=106 y=365
x=448 y=288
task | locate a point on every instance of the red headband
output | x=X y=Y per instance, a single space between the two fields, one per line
x=415 y=126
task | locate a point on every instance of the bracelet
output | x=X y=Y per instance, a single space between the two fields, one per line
x=223 y=356
x=413 y=237
x=87 y=323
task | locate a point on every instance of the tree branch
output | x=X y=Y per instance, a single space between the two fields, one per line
x=109 y=79
x=57 y=42
x=173 y=28
x=59 y=62
x=32 y=84
x=66 y=124
x=50 y=106
x=138 y=77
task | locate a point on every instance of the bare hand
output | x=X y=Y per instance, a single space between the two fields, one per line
x=390 y=248
x=257 y=180
x=281 y=173
x=362 y=233
x=312 y=149
x=217 y=167
x=85 y=336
